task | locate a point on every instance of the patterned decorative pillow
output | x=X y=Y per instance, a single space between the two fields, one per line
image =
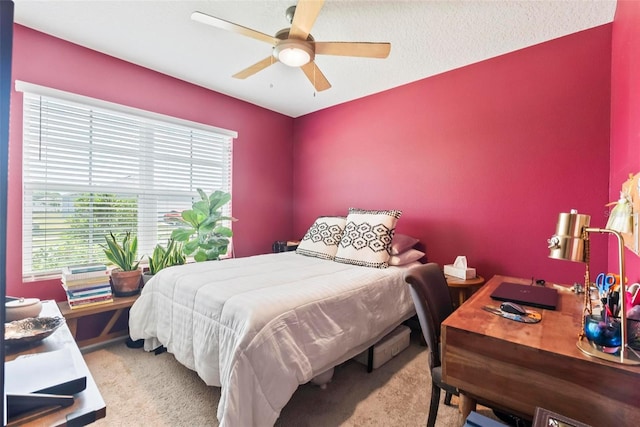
x=367 y=238
x=323 y=237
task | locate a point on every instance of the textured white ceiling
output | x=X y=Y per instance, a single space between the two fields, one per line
x=427 y=37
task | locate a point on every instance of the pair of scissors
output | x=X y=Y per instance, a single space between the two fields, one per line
x=604 y=282
x=530 y=317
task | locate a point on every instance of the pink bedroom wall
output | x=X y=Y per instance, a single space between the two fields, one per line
x=625 y=113
x=262 y=186
x=480 y=160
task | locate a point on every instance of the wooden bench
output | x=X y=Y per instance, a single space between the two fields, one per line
x=118 y=305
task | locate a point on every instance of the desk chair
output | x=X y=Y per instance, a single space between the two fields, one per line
x=433 y=304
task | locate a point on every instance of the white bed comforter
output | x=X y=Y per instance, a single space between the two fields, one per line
x=260 y=326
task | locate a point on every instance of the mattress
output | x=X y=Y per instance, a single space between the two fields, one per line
x=260 y=326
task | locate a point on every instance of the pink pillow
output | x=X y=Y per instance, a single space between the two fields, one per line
x=411 y=264
x=402 y=242
x=406 y=257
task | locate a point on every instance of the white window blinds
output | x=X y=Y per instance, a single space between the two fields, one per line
x=89 y=170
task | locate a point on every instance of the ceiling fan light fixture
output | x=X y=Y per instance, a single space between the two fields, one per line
x=294 y=53
x=293 y=57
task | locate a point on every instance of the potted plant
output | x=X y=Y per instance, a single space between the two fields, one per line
x=203 y=235
x=164 y=257
x=126 y=277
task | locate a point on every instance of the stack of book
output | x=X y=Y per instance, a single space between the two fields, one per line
x=87 y=285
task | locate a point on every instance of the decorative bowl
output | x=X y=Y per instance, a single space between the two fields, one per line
x=33 y=329
x=22 y=308
x=606 y=334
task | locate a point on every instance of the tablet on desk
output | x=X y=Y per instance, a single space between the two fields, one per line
x=533 y=296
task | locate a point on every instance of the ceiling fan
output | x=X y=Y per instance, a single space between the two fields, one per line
x=295 y=46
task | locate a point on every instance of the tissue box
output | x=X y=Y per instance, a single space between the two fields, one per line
x=460 y=273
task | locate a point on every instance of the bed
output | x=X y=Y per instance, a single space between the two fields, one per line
x=260 y=326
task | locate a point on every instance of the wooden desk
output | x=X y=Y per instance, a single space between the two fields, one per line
x=88 y=405
x=520 y=366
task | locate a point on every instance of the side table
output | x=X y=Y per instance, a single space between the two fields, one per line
x=464 y=287
x=284 y=246
x=116 y=308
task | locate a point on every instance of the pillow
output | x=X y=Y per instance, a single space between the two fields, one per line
x=402 y=242
x=406 y=257
x=322 y=238
x=411 y=264
x=367 y=237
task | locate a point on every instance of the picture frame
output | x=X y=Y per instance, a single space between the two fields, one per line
x=546 y=418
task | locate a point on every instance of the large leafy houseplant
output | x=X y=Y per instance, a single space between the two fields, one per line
x=204 y=236
x=125 y=278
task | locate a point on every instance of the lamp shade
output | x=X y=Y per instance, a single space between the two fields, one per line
x=568 y=243
x=621 y=216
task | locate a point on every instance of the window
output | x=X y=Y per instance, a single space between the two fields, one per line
x=91 y=167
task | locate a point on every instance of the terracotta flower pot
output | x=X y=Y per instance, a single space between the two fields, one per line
x=125 y=283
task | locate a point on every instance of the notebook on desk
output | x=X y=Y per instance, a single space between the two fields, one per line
x=530 y=295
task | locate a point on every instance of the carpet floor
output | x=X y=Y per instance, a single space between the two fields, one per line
x=141 y=388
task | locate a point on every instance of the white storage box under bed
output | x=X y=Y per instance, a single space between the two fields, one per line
x=387 y=348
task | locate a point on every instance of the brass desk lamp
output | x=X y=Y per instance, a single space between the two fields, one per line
x=571 y=243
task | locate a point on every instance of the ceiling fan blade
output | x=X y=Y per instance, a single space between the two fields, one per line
x=230 y=26
x=315 y=76
x=303 y=19
x=362 y=49
x=258 y=66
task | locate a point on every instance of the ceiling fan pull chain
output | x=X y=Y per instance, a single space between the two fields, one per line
x=314 y=81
